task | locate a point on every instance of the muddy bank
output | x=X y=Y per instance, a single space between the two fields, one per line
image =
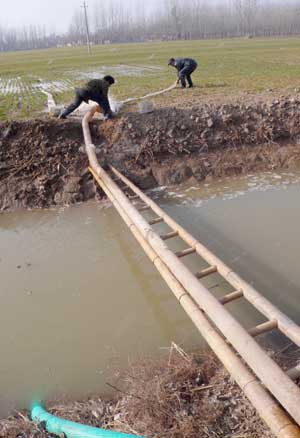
x=42 y=162
x=193 y=397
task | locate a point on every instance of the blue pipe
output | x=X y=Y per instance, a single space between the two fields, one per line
x=70 y=429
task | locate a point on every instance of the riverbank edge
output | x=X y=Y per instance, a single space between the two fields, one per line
x=177 y=395
x=43 y=163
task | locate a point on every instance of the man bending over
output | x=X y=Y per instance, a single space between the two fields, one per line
x=185 y=67
x=95 y=90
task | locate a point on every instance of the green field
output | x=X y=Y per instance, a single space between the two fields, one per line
x=226 y=66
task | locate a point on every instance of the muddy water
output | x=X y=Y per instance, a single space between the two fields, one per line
x=79 y=298
x=252 y=223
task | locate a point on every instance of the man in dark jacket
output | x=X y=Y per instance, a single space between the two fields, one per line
x=185 y=67
x=96 y=90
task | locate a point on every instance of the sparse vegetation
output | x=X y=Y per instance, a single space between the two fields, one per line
x=226 y=67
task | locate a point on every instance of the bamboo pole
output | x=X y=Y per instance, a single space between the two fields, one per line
x=294 y=373
x=144 y=208
x=232 y=296
x=169 y=235
x=206 y=272
x=279 y=423
x=263 y=328
x=157 y=220
x=185 y=252
x=285 y=324
x=286 y=392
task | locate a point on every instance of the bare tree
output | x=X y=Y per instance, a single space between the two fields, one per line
x=115 y=21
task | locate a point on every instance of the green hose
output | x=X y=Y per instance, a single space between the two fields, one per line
x=70 y=429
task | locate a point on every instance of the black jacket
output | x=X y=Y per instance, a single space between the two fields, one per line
x=97 y=90
x=96 y=87
x=181 y=63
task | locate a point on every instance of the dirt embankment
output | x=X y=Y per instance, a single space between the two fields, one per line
x=179 y=396
x=193 y=398
x=41 y=164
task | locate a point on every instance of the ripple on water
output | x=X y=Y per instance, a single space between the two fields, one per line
x=226 y=189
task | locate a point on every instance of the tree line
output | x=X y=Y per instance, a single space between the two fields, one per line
x=113 y=21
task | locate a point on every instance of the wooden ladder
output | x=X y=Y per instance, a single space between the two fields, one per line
x=270 y=389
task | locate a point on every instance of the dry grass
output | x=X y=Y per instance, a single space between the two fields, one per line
x=187 y=397
x=178 y=396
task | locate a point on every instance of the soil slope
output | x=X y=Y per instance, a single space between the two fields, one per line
x=178 y=396
x=43 y=164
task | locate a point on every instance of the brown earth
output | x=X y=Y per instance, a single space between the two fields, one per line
x=41 y=164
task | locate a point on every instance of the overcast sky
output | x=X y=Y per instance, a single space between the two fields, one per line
x=55 y=14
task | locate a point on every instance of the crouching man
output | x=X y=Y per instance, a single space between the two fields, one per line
x=185 y=67
x=95 y=90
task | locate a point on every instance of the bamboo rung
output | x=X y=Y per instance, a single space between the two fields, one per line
x=263 y=328
x=115 y=178
x=122 y=185
x=206 y=272
x=294 y=373
x=156 y=221
x=126 y=188
x=185 y=252
x=169 y=235
x=131 y=197
x=144 y=208
x=231 y=297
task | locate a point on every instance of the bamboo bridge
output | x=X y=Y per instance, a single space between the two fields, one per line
x=270 y=389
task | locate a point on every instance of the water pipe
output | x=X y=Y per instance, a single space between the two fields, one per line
x=70 y=429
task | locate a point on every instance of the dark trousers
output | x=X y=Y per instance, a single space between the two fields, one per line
x=185 y=74
x=82 y=96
